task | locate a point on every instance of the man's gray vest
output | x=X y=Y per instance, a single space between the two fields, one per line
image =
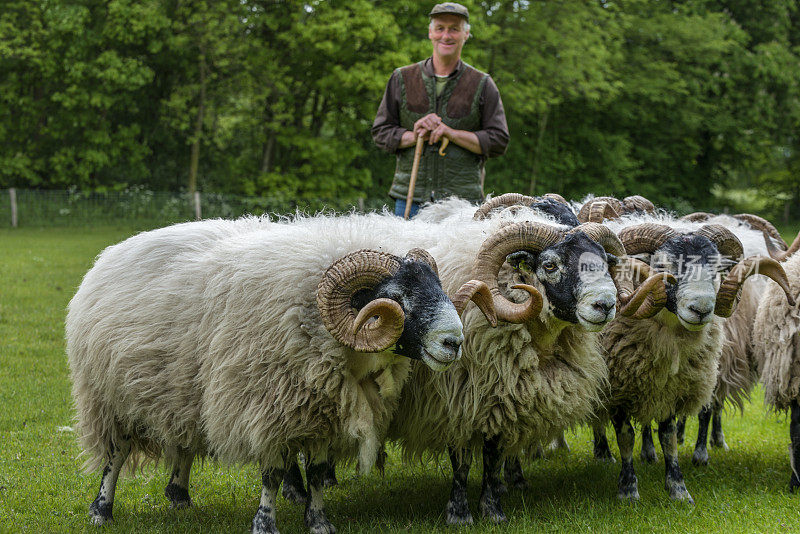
x=459 y=171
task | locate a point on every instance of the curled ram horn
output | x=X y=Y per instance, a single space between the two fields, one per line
x=556 y=197
x=760 y=223
x=726 y=242
x=698 y=216
x=422 y=255
x=529 y=236
x=503 y=201
x=645 y=238
x=599 y=209
x=728 y=294
x=781 y=255
x=649 y=297
x=637 y=204
x=478 y=292
x=363 y=269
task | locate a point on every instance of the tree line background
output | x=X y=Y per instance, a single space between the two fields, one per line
x=694 y=104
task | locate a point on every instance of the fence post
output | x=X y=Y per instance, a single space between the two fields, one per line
x=12 y=194
x=197 y=210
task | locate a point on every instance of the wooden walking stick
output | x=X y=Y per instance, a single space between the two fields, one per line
x=412 y=182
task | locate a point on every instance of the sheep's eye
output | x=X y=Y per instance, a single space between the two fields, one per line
x=549 y=266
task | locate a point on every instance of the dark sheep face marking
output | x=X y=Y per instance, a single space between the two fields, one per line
x=575 y=277
x=432 y=330
x=695 y=262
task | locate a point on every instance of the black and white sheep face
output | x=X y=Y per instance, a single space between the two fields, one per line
x=574 y=275
x=695 y=262
x=432 y=331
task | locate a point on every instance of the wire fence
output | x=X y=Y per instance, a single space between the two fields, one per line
x=142 y=207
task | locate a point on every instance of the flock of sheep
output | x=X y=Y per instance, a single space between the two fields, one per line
x=491 y=328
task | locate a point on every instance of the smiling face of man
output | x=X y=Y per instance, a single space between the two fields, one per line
x=448 y=35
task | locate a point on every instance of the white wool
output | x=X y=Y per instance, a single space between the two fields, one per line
x=776 y=340
x=206 y=336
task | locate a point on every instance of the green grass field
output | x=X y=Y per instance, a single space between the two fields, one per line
x=42 y=487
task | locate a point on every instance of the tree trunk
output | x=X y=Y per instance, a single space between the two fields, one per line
x=537 y=152
x=266 y=155
x=198 y=127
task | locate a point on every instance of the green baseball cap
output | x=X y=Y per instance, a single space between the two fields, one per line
x=449 y=8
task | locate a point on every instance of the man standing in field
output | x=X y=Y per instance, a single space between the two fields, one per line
x=441 y=97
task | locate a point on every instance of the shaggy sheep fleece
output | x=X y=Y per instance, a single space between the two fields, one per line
x=206 y=336
x=657 y=368
x=776 y=340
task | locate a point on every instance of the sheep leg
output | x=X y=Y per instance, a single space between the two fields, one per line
x=717 y=436
x=560 y=443
x=669 y=446
x=700 y=456
x=602 y=451
x=457 y=509
x=627 y=487
x=794 y=434
x=514 y=476
x=177 y=491
x=680 y=429
x=329 y=478
x=293 y=489
x=316 y=521
x=101 y=509
x=264 y=520
x=648 y=452
x=492 y=478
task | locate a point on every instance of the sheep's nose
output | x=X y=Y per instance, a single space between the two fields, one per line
x=452 y=344
x=700 y=310
x=603 y=306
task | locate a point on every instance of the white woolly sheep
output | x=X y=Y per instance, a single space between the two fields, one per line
x=242 y=340
x=739 y=370
x=518 y=384
x=667 y=365
x=777 y=346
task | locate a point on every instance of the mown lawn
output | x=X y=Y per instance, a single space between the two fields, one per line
x=42 y=488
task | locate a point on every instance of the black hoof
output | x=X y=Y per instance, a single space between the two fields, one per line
x=457 y=514
x=263 y=522
x=700 y=457
x=794 y=483
x=317 y=523
x=178 y=496
x=100 y=512
x=492 y=511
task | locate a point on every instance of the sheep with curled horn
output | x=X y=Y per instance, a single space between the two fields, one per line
x=667 y=365
x=526 y=380
x=777 y=346
x=739 y=369
x=248 y=341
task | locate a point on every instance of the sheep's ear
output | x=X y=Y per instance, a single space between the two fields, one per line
x=522 y=260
